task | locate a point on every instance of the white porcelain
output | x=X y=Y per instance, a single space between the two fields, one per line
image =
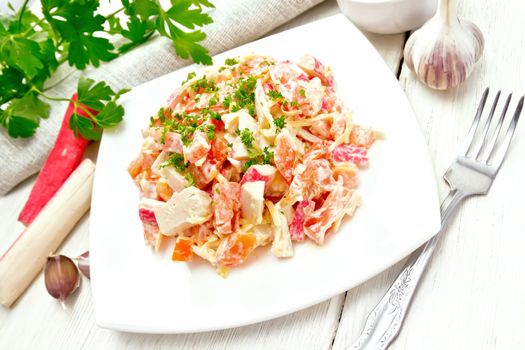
x=137 y=290
x=388 y=16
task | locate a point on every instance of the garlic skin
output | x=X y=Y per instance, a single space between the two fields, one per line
x=83 y=264
x=61 y=277
x=442 y=53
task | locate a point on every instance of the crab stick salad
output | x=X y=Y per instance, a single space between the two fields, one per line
x=252 y=153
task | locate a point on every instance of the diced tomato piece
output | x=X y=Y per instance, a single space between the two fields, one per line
x=317 y=224
x=219 y=124
x=234 y=249
x=164 y=190
x=198 y=148
x=316 y=179
x=219 y=150
x=284 y=156
x=135 y=167
x=227 y=204
x=182 y=250
x=172 y=142
x=350 y=153
x=362 y=136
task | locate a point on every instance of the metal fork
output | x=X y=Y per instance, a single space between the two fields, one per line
x=472 y=173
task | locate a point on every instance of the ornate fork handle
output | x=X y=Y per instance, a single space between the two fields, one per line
x=385 y=320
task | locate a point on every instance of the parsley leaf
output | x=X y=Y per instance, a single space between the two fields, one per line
x=23 y=54
x=279 y=122
x=84 y=126
x=231 y=61
x=247 y=138
x=191 y=180
x=274 y=94
x=93 y=95
x=210 y=132
x=21 y=118
x=175 y=160
x=76 y=22
x=99 y=97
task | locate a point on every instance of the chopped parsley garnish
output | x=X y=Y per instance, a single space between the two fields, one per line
x=231 y=61
x=175 y=160
x=191 y=180
x=190 y=76
x=302 y=93
x=217 y=191
x=210 y=132
x=267 y=156
x=235 y=107
x=212 y=101
x=227 y=101
x=275 y=95
x=207 y=84
x=247 y=138
x=258 y=157
x=249 y=163
x=245 y=95
x=280 y=123
x=294 y=103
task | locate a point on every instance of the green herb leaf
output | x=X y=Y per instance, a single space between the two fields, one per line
x=279 y=122
x=23 y=54
x=231 y=61
x=100 y=98
x=274 y=94
x=76 y=22
x=21 y=118
x=247 y=138
x=175 y=160
x=84 y=126
x=93 y=95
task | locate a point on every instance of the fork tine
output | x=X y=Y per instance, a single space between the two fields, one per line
x=475 y=151
x=498 y=154
x=475 y=122
x=490 y=146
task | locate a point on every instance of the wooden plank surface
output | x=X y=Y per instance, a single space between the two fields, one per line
x=473 y=294
x=38 y=321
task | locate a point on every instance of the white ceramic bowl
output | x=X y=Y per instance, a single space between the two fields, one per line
x=388 y=16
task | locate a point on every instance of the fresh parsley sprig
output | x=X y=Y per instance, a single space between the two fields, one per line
x=76 y=33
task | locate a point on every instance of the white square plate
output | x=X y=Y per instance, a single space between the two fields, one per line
x=138 y=290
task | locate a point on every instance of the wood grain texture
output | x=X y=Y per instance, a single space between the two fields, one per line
x=472 y=296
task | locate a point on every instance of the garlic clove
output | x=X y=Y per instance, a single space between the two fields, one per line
x=83 y=264
x=61 y=277
x=443 y=52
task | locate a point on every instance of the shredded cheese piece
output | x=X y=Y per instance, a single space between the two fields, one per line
x=345 y=137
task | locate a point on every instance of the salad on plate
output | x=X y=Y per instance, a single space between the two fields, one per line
x=252 y=153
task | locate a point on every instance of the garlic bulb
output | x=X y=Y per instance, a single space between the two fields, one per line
x=444 y=50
